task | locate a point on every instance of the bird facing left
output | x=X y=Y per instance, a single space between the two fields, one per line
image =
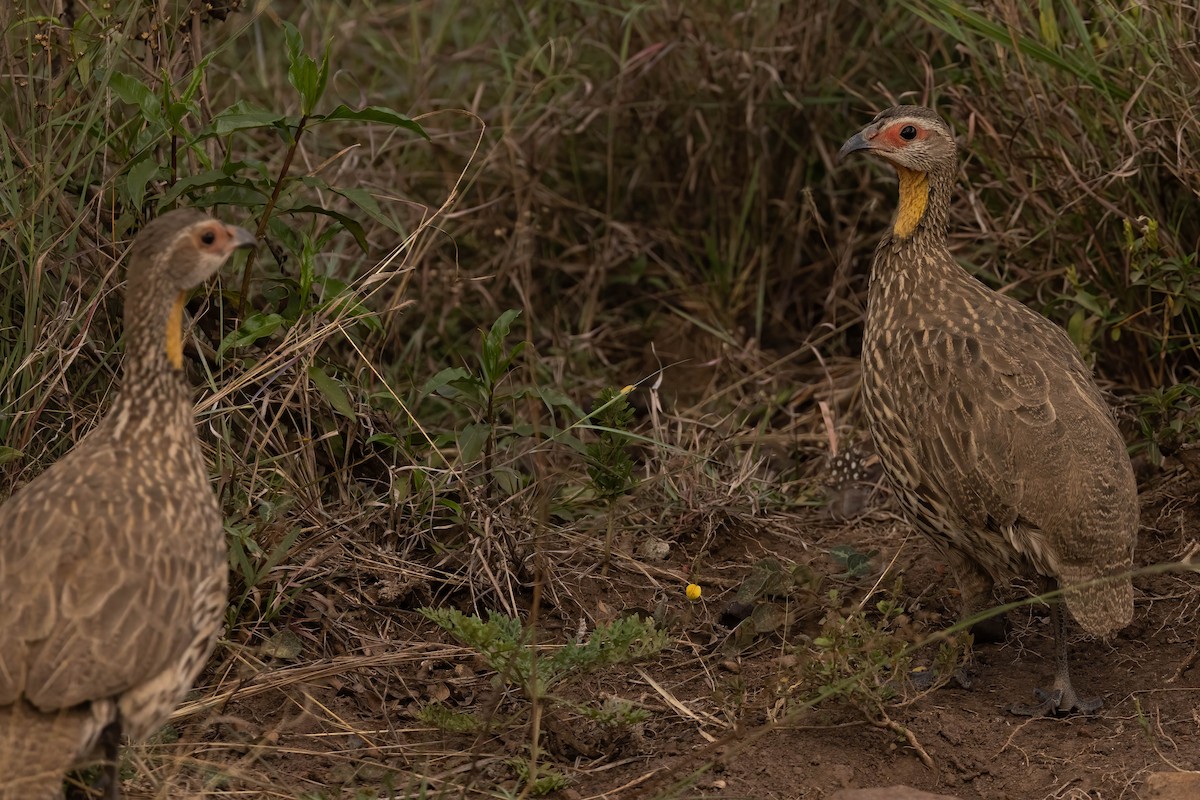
x=113 y=570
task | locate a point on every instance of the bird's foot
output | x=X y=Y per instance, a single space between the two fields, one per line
x=108 y=785
x=1056 y=702
x=105 y=786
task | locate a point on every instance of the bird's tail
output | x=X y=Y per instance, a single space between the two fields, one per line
x=36 y=749
x=1100 y=601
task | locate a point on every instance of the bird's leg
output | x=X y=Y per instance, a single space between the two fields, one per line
x=975 y=591
x=1061 y=697
x=108 y=784
x=975 y=586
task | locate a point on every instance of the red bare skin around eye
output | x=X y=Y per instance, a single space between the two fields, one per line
x=218 y=234
x=891 y=136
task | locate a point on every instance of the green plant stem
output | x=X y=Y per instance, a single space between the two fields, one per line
x=489 y=446
x=268 y=209
x=608 y=538
x=535 y=699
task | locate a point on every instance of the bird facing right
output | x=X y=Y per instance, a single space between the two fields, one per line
x=113 y=564
x=997 y=441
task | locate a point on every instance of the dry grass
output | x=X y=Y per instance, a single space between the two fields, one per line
x=653 y=186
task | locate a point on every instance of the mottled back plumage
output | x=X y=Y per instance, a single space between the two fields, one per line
x=112 y=561
x=989 y=426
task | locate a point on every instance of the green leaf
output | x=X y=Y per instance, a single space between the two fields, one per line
x=508 y=480
x=471 y=440
x=553 y=398
x=239 y=559
x=293 y=40
x=492 y=358
x=8 y=454
x=379 y=114
x=241 y=117
x=254 y=327
x=502 y=326
x=856 y=563
x=197 y=78
x=349 y=223
x=175 y=112
x=361 y=198
x=1075 y=328
x=304 y=74
x=389 y=440
x=137 y=177
x=135 y=93
x=444 y=379
x=1090 y=302
x=226 y=176
x=333 y=390
x=322 y=75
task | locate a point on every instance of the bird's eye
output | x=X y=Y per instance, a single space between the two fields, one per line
x=208 y=237
x=908 y=133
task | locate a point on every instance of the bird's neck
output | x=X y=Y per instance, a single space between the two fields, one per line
x=154 y=390
x=912 y=259
x=923 y=208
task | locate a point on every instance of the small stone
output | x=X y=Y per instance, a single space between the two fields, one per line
x=654 y=548
x=889 y=793
x=1173 y=786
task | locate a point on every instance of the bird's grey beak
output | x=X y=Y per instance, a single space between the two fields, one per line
x=241 y=237
x=855 y=143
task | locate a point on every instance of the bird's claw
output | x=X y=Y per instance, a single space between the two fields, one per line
x=1053 y=704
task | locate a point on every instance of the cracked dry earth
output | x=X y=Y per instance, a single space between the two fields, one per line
x=342 y=730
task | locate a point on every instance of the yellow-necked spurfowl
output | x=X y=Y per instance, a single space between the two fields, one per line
x=113 y=565
x=988 y=424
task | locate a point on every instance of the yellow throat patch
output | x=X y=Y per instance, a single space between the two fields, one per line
x=914 y=197
x=175 y=333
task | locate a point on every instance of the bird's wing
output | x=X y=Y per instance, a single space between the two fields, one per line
x=1020 y=442
x=988 y=403
x=89 y=609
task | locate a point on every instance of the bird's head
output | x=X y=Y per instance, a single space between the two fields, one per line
x=183 y=248
x=171 y=254
x=911 y=137
x=917 y=142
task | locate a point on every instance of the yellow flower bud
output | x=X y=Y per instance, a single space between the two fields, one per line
x=693 y=592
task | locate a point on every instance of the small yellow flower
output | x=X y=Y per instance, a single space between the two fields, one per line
x=628 y=389
x=692 y=592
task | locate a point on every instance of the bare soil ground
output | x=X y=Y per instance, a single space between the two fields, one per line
x=725 y=720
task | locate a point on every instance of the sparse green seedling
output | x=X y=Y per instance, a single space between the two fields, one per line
x=775 y=595
x=482 y=392
x=545 y=781
x=503 y=643
x=488 y=394
x=447 y=719
x=615 y=712
x=1169 y=417
x=863 y=660
x=855 y=564
x=535 y=671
